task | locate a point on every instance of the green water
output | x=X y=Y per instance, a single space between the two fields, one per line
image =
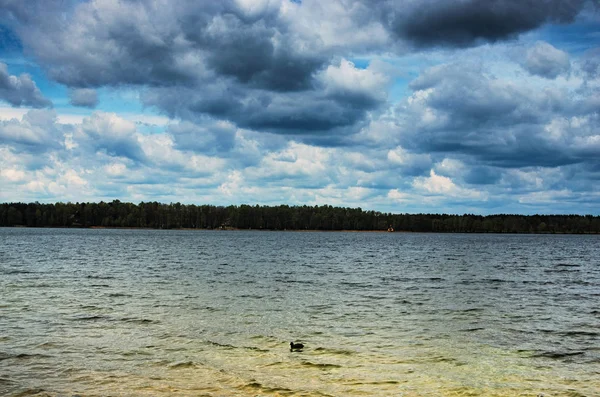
x=189 y=313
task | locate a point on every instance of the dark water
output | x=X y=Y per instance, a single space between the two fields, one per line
x=190 y=313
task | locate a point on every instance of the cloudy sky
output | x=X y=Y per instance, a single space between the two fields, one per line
x=456 y=106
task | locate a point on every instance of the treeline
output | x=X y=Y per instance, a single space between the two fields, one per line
x=175 y=216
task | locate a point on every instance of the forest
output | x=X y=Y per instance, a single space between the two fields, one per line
x=283 y=217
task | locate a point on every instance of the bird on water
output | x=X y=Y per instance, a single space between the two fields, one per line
x=296 y=346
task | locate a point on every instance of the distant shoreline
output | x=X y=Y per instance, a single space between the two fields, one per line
x=229 y=229
x=233 y=229
x=177 y=216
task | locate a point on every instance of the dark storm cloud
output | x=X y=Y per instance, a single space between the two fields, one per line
x=481 y=175
x=470 y=98
x=336 y=105
x=298 y=113
x=208 y=137
x=197 y=58
x=156 y=43
x=257 y=66
x=85 y=97
x=21 y=90
x=456 y=109
x=462 y=23
x=256 y=52
x=90 y=45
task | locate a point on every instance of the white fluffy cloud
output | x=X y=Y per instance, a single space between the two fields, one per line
x=543 y=59
x=37 y=131
x=438 y=185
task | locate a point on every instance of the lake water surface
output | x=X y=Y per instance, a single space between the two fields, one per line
x=211 y=313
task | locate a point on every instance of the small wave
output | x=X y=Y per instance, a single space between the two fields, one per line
x=546 y=331
x=89 y=307
x=472 y=329
x=320 y=307
x=567 y=265
x=558 y=355
x=561 y=270
x=96 y=277
x=494 y=280
x=5 y=381
x=256 y=349
x=139 y=320
x=223 y=345
x=322 y=366
x=355 y=284
x=254 y=385
x=135 y=353
x=251 y=296
x=469 y=310
x=396 y=279
x=270 y=338
x=538 y=282
x=374 y=383
x=85 y=317
x=182 y=365
x=32 y=392
x=410 y=279
x=21 y=356
x=289 y=281
x=473 y=309
x=119 y=295
x=16 y=271
x=48 y=345
x=580 y=333
x=443 y=359
x=275 y=364
x=342 y=352
x=374 y=297
x=581 y=282
x=42 y=285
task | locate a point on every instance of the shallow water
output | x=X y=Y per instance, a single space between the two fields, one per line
x=211 y=313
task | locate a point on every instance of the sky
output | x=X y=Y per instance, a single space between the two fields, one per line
x=403 y=106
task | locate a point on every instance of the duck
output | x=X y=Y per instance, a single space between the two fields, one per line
x=296 y=346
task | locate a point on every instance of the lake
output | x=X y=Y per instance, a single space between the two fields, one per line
x=91 y=312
